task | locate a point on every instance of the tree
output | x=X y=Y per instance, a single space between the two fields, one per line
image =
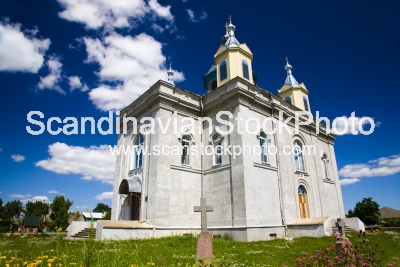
x=103 y=208
x=367 y=211
x=1 y=209
x=12 y=209
x=59 y=211
x=37 y=208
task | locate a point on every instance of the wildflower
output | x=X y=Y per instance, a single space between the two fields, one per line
x=337 y=234
x=73 y=263
x=134 y=265
x=151 y=263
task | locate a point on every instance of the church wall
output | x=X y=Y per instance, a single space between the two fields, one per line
x=177 y=189
x=261 y=180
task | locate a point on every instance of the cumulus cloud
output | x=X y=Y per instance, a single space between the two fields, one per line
x=353 y=125
x=192 y=18
x=347 y=181
x=83 y=207
x=384 y=166
x=53 y=192
x=95 y=14
x=96 y=161
x=21 y=51
x=19 y=196
x=132 y=63
x=54 y=77
x=36 y=198
x=75 y=83
x=104 y=195
x=18 y=158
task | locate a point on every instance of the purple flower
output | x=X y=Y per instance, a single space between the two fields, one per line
x=337 y=234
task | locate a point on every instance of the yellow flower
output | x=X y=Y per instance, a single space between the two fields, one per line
x=151 y=264
x=134 y=265
x=3 y=257
x=7 y=265
x=49 y=264
x=73 y=263
x=50 y=260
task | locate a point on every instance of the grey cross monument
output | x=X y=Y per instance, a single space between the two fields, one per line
x=340 y=224
x=204 y=239
x=203 y=208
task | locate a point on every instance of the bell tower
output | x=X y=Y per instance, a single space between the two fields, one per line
x=293 y=92
x=232 y=59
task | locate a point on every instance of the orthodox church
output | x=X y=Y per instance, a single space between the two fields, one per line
x=254 y=196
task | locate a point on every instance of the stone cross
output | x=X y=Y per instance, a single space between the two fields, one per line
x=340 y=225
x=203 y=208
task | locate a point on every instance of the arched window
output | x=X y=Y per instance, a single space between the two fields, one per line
x=298 y=156
x=302 y=193
x=263 y=145
x=325 y=165
x=223 y=71
x=288 y=99
x=138 y=152
x=186 y=141
x=306 y=107
x=217 y=141
x=245 y=67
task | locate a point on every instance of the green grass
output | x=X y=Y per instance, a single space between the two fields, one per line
x=177 y=251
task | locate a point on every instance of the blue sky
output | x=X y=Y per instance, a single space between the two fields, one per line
x=70 y=60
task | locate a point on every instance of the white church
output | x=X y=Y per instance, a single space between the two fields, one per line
x=254 y=196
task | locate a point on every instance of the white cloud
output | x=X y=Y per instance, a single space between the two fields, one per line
x=20 y=51
x=36 y=198
x=192 y=18
x=53 y=192
x=104 y=195
x=157 y=28
x=18 y=158
x=19 y=196
x=348 y=181
x=75 y=83
x=112 y=14
x=381 y=167
x=83 y=207
x=54 y=77
x=350 y=125
x=1 y=150
x=95 y=161
x=134 y=63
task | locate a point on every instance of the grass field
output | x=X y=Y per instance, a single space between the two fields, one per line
x=175 y=251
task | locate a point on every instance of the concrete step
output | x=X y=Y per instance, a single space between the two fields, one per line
x=84 y=233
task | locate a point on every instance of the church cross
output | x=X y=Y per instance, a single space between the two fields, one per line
x=287 y=59
x=340 y=225
x=203 y=208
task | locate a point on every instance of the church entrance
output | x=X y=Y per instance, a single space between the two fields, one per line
x=135 y=206
x=302 y=193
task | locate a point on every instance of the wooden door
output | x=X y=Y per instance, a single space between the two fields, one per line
x=135 y=205
x=303 y=206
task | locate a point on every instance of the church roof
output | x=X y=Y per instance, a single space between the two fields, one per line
x=290 y=80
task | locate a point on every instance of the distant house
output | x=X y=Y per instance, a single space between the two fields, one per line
x=87 y=217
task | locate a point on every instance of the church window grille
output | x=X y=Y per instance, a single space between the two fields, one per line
x=298 y=156
x=306 y=108
x=186 y=141
x=288 y=99
x=223 y=71
x=214 y=85
x=263 y=145
x=217 y=140
x=245 y=67
x=139 y=152
x=325 y=166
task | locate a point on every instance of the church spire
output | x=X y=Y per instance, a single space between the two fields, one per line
x=170 y=74
x=290 y=79
x=230 y=33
